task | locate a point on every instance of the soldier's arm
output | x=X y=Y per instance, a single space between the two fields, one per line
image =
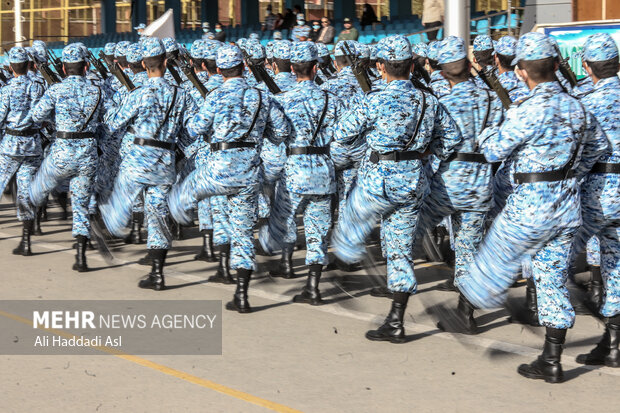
x=595 y=144
x=200 y=122
x=353 y=122
x=120 y=116
x=498 y=142
x=446 y=134
x=278 y=126
x=44 y=109
x=4 y=105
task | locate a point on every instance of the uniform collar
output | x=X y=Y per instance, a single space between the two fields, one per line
x=284 y=75
x=466 y=85
x=156 y=80
x=238 y=82
x=346 y=71
x=400 y=84
x=436 y=75
x=608 y=83
x=547 y=87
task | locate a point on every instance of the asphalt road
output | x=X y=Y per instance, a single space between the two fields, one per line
x=284 y=356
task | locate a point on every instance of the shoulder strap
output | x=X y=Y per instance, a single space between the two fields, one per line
x=321 y=119
x=569 y=165
x=417 y=126
x=486 y=116
x=161 y=125
x=92 y=113
x=260 y=103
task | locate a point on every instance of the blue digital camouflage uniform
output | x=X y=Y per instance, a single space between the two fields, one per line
x=600 y=206
x=392 y=190
x=347 y=156
x=20 y=155
x=439 y=85
x=542 y=133
x=76 y=106
x=301 y=30
x=484 y=42
x=226 y=117
x=307 y=180
x=517 y=90
x=157 y=112
x=463 y=190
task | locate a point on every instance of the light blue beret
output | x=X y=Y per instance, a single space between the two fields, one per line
x=420 y=49
x=452 y=49
x=229 y=56
x=600 y=47
x=72 y=53
x=254 y=49
x=302 y=52
x=121 y=48
x=363 y=50
x=432 y=52
x=277 y=35
x=534 y=46
x=282 y=50
x=483 y=42
x=340 y=50
x=506 y=46
x=134 y=53
x=254 y=36
x=18 y=54
x=322 y=49
x=152 y=46
x=394 y=48
x=109 y=49
x=170 y=44
x=197 y=50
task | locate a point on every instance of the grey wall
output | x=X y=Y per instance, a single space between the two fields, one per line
x=546 y=11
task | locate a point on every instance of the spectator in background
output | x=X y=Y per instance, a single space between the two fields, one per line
x=270 y=20
x=327 y=33
x=368 y=16
x=289 y=20
x=301 y=32
x=279 y=22
x=432 y=16
x=316 y=30
x=349 y=32
x=220 y=34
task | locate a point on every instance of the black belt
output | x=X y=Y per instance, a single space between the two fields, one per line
x=75 y=135
x=222 y=146
x=24 y=133
x=605 y=168
x=154 y=143
x=308 y=150
x=550 y=176
x=467 y=157
x=395 y=156
x=131 y=130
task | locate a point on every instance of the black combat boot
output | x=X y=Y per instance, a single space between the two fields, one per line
x=606 y=351
x=240 y=299
x=547 y=366
x=531 y=302
x=37 y=222
x=285 y=267
x=62 y=199
x=594 y=299
x=447 y=285
x=135 y=235
x=80 y=256
x=155 y=280
x=44 y=211
x=392 y=329
x=206 y=253
x=310 y=293
x=223 y=270
x=464 y=318
x=24 y=245
x=381 y=291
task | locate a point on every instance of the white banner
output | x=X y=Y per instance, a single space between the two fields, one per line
x=162 y=27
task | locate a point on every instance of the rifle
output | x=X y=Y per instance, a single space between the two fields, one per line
x=359 y=72
x=56 y=63
x=565 y=68
x=261 y=75
x=489 y=78
x=174 y=73
x=3 y=78
x=419 y=85
x=48 y=75
x=191 y=75
x=420 y=73
x=98 y=65
x=118 y=73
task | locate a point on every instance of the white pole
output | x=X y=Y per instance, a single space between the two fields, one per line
x=456 y=22
x=18 y=23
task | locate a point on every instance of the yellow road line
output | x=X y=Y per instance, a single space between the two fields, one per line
x=169 y=371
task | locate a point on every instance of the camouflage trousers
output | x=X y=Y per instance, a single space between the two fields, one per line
x=539 y=220
x=25 y=167
x=282 y=227
x=242 y=204
x=601 y=220
x=80 y=173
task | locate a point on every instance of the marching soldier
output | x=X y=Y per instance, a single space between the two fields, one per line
x=600 y=206
x=553 y=142
x=308 y=178
x=439 y=85
x=235 y=117
x=76 y=106
x=156 y=112
x=401 y=123
x=20 y=148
